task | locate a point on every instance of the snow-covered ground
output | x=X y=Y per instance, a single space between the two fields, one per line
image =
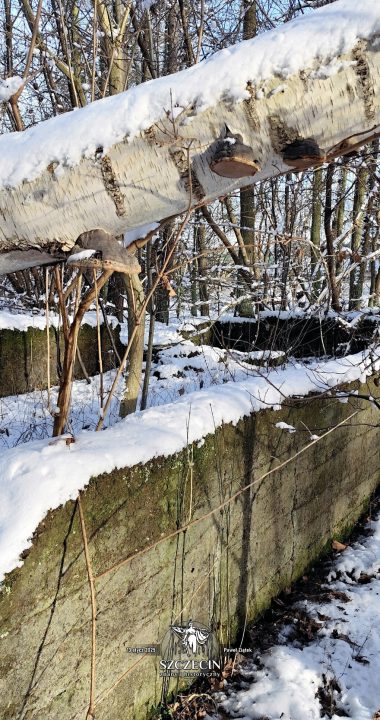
x=176 y=371
x=336 y=674
x=163 y=334
x=349 y=318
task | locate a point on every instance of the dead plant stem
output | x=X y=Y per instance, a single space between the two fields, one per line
x=91 y=582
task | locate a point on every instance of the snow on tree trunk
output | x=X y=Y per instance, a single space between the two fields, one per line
x=160 y=137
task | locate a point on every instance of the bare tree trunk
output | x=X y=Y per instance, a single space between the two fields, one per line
x=185 y=27
x=202 y=268
x=136 y=296
x=341 y=205
x=171 y=40
x=247 y=197
x=71 y=339
x=115 y=291
x=334 y=292
x=162 y=296
x=287 y=247
x=247 y=228
x=374 y=299
x=356 y=286
x=376 y=290
x=193 y=278
x=152 y=321
x=368 y=219
x=341 y=209
x=315 y=234
x=117 y=78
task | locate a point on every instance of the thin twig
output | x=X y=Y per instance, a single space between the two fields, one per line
x=101 y=391
x=47 y=336
x=91 y=582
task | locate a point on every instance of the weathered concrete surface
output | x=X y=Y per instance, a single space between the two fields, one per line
x=222 y=570
x=297 y=336
x=23 y=364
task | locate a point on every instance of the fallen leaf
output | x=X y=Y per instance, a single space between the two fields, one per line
x=338 y=546
x=67 y=439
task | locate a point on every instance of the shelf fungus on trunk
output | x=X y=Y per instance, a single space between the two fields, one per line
x=232 y=158
x=99 y=250
x=303 y=153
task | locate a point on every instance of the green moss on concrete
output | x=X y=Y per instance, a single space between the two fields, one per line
x=203 y=335
x=23 y=357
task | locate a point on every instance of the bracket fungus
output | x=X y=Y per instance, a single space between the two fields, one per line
x=232 y=158
x=303 y=154
x=107 y=253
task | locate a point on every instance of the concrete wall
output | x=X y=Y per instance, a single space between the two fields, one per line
x=220 y=571
x=23 y=356
x=297 y=336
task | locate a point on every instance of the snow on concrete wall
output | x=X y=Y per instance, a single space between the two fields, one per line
x=222 y=569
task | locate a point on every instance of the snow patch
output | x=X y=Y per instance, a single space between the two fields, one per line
x=9 y=87
x=82 y=255
x=285 y=426
x=23 y=321
x=139 y=233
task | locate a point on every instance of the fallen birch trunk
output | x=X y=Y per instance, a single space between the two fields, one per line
x=67 y=175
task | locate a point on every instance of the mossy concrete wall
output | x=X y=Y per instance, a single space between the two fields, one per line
x=23 y=357
x=221 y=571
x=297 y=336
